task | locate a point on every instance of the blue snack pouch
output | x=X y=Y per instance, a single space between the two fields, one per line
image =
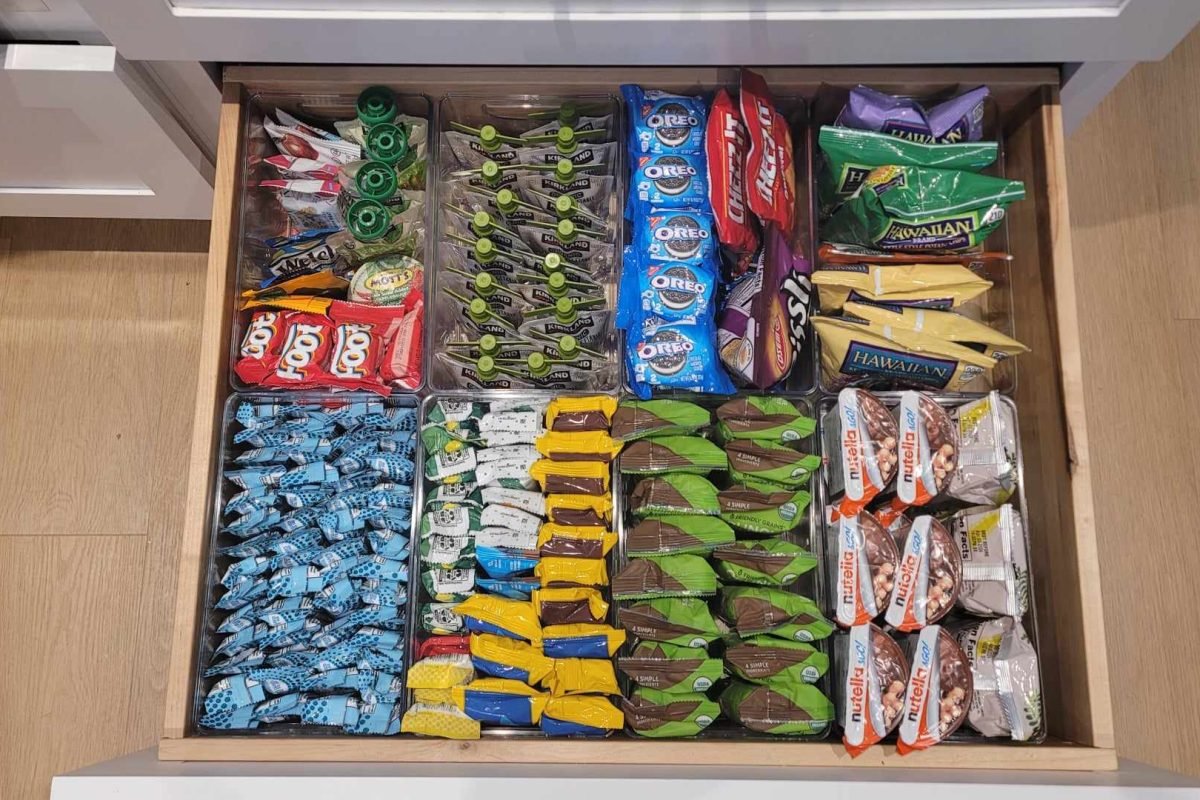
x=680 y=235
x=668 y=181
x=502 y=563
x=664 y=123
x=513 y=588
x=677 y=292
x=677 y=355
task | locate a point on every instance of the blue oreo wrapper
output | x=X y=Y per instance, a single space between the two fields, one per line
x=677 y=292
x=675 y=355
x=678 y=235
x=668 y=181
x=662 y=122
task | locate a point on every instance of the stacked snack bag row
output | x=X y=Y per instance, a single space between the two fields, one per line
x=713 y=283
x=708 y=591
x=314 y=593
x=514 y=538
x=905 y=216
x=943 y=561
x=528 y=256
x=334 y=299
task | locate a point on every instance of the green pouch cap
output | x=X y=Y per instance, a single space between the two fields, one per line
x=663 y=715
x=769 y=562
x=671 y=668
x=668 y=535
x=635 y=419
x=851 y=154
x=754 y=610
x=764 y=462
x=778 y=708
x=763 y=417
x=667 y=576
x=685 y=621
x=659 y=454
x=674 y=493
x=920 y=208
x=749 y=508
x=767 y=659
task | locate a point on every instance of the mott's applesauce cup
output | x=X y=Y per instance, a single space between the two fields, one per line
x=368 y=220
x=376 y=180
x=388 y=143
x=376 y=105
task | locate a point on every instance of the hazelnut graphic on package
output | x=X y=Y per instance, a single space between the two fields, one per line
x=337 y=299
x=528 y=253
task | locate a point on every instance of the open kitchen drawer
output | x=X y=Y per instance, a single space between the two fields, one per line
x=1049 y=398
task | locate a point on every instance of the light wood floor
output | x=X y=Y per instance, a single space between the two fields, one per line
x=98 y=327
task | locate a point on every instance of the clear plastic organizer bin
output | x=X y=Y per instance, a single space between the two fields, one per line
x=264 y=218
x=994 y=307
x=524 y=291
x=827 y=432
x=217 y=564
x=811 y=584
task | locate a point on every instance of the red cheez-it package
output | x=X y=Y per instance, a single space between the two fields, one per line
x=770 y=169
x=725 y=142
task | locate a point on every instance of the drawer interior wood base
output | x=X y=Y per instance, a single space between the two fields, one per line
x=1049 y=399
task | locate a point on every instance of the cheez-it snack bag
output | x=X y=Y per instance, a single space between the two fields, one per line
x=726 y=144
x=770 y=169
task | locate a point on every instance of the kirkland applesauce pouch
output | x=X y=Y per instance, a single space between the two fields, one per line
x=921 y=208
x=850 y=155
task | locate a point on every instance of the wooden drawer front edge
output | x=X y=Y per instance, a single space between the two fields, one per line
x=1053 y=430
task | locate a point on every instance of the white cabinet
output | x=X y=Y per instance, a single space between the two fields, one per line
x=84 y=133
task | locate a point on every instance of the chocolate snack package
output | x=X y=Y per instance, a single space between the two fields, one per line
x=673 y=534
x=896 y=285
x=865 y=569
x=770 y=165
x=675 y=493
x=671 y=668
x=760 y=461
x=768 y=659
x=871 y=679
x=862 y=438
x=635 y=419
x=1007 y=701
x=939 y=692
x=928 y=578
x=767 y=562
x=685 y=621
x=693 y=454
x=570 y=605
x=727 y=142
x=754 y=610
x=763 y=322
x=663 y=122
x=959 y=119
x=780 y=708
x=995 y=570
x=763 y=509
x=658 y=714
x=987 y=460
x=763 y=417
x=681 y=575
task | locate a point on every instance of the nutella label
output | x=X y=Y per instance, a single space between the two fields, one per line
x=921 y=724
x=906 y=611
x=856 y=597
x=914 y=452
x=853 y=446
x=863 y=720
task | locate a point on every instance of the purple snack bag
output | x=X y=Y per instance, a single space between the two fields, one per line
x=764 y=320
x=959 y=119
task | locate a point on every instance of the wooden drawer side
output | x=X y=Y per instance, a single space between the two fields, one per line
x=1054 y=434
x=211 y=391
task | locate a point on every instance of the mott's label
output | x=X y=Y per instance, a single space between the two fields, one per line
x=351 y=348
x=863 y=723
x=907 y=611
x=856 y=595
x=303 y=342
x=921 y=725
x=863 y=358
x=915 y=481
x=259 y=334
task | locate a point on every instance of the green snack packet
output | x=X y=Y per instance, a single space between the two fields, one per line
x=635 y=419
x=683 y=621
x=767 y=659
x=671 y=668
x=693 y=454
x=770 y=562
x=763 y=417
x=920 y=208
x=755 y=610
x=452 y=465
x=446 y=551
x=851 y=154
x=667 y=576
x=440 y=619
x=668 y=535
x=674 y=493
x=453 y=494
x=457 y=520
x=758 y=461
x=449 y=585
x=451 y=413
x=756 y=509
x=779 y=708
x=656 y=714
x=437 y=438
